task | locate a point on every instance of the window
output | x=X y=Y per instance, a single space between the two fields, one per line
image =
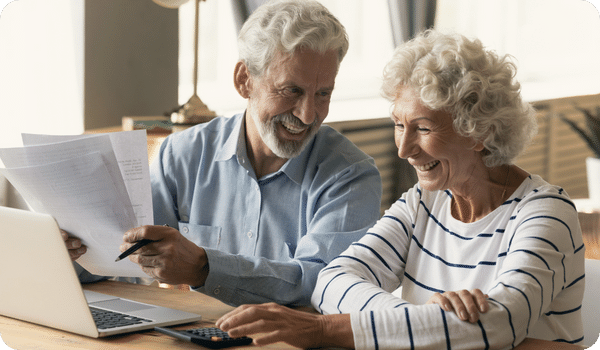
x=371 y=45
x=556 y=43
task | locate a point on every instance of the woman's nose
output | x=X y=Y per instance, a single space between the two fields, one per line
x=407 y=147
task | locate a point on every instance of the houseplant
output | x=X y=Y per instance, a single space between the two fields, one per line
x=591 y=135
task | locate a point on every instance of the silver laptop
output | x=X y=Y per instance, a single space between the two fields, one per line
x=38 y=283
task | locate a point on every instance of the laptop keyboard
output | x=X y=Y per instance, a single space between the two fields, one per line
x=110 y=319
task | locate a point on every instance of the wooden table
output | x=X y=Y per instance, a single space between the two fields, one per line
x=589 y=218
x=23 y=335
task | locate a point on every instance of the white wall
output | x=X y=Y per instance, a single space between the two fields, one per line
x=70 y=65
x=41 y=68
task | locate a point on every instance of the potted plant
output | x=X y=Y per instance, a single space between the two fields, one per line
x=591 y=135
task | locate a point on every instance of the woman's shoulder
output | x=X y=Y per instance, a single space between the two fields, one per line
x=535 y=189
x=535 y=184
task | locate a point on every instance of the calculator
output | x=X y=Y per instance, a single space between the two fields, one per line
x=211 y=337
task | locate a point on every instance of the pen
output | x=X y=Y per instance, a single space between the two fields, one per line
x=133 y=248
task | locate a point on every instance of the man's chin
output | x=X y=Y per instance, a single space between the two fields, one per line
x=287 y=148
x=287 y=151
x=285 y=144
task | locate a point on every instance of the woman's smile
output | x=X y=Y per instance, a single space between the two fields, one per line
x=428 y=166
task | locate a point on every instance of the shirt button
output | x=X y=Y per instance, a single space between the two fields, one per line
x=217 y=291
x=185 y=229
x=249 y=234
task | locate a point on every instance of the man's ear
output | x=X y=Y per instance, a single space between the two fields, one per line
x=241 y=79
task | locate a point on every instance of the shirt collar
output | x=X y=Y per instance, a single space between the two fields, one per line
x=234 y=144
x=295 y=168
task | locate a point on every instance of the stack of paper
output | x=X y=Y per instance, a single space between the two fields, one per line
x=96 y=187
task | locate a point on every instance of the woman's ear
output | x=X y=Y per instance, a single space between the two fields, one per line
x=241 y=79
x=478 y=146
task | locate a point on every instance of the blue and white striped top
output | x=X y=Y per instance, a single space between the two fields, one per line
x=527 y=255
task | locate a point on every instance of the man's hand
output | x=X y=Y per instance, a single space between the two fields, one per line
x=171 y=258
x=74 y=246
x=281 y=324
x=466 y=304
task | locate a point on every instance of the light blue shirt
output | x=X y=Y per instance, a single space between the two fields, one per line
x=266 y=239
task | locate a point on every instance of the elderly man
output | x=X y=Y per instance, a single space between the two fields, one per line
x=259 y=203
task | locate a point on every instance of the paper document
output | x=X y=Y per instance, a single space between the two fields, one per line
x=131 y=152
x=96 y=187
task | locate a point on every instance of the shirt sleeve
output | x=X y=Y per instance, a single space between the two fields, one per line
x=544 y=258
x=334 y=220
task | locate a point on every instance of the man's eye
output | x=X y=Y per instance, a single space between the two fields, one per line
x=424 y=130
x=293 y=91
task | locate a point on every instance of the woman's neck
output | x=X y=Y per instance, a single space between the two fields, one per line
x=483 y=194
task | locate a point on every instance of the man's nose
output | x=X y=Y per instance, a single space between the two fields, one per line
x=306 y=110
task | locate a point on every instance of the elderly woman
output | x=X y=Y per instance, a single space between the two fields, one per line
x=474 y=221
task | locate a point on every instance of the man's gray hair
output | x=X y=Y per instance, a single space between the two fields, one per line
x=285 y=26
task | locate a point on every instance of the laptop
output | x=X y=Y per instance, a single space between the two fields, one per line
x=38 y=283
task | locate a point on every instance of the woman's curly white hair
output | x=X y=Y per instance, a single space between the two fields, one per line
x=476 y=86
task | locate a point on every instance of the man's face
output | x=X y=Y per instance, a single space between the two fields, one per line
x=289 y=102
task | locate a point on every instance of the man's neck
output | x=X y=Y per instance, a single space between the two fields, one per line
x=262 y=159
x=265 y=165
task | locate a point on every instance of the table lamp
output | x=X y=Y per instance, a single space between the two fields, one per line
x=194 y=111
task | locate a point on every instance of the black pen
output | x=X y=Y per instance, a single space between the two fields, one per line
x=133 y=248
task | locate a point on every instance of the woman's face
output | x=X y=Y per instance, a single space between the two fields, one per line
x=442 y=158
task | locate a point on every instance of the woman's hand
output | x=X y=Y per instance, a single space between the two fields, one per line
x=282 y=324
x=74 y=246
x=466 y=304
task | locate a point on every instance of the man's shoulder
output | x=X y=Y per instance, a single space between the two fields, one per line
x=330 y=143
x=332 y=154
x=217 y=129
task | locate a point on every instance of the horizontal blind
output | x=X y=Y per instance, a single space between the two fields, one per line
x=558 y=153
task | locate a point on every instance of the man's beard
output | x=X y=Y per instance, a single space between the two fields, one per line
x=284 y=148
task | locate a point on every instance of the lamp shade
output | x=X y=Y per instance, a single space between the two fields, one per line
x=172 y=4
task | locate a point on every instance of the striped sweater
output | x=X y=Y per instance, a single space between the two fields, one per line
x=527 y=255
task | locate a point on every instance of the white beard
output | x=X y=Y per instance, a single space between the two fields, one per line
x=283 y=148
